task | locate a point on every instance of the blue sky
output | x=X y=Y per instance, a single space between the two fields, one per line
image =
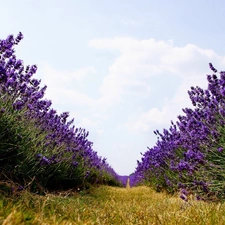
x=121 y=68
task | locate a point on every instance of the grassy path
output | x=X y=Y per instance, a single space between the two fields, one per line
x=108 y=205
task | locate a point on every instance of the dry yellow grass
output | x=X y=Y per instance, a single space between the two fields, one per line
x=111 y=205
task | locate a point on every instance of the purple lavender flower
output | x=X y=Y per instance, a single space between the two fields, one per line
x=2 y=110
x=18 y=105
x=19 y=38
x=184 y=197
x=75 y=164
x=45 y=161
x=212 y=68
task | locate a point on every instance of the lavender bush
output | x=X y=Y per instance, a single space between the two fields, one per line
x=38 y=146
x=190 y=154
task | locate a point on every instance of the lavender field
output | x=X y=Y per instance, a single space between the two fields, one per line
x=42 y=150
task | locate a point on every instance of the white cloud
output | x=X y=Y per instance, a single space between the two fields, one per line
x=156 y=117
x=65 y=78
x=68 y=91
x=141 y=61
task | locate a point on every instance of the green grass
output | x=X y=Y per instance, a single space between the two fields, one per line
x=107 y=205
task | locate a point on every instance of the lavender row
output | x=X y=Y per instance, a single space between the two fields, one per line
x=36 y=143
x=189 y=156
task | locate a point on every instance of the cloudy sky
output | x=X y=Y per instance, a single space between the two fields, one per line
x=122 y=68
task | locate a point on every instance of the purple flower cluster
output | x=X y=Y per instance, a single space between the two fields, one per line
x=190 y=153
x=59 y=149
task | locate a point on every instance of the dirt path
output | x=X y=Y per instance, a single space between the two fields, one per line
x=128 y=183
